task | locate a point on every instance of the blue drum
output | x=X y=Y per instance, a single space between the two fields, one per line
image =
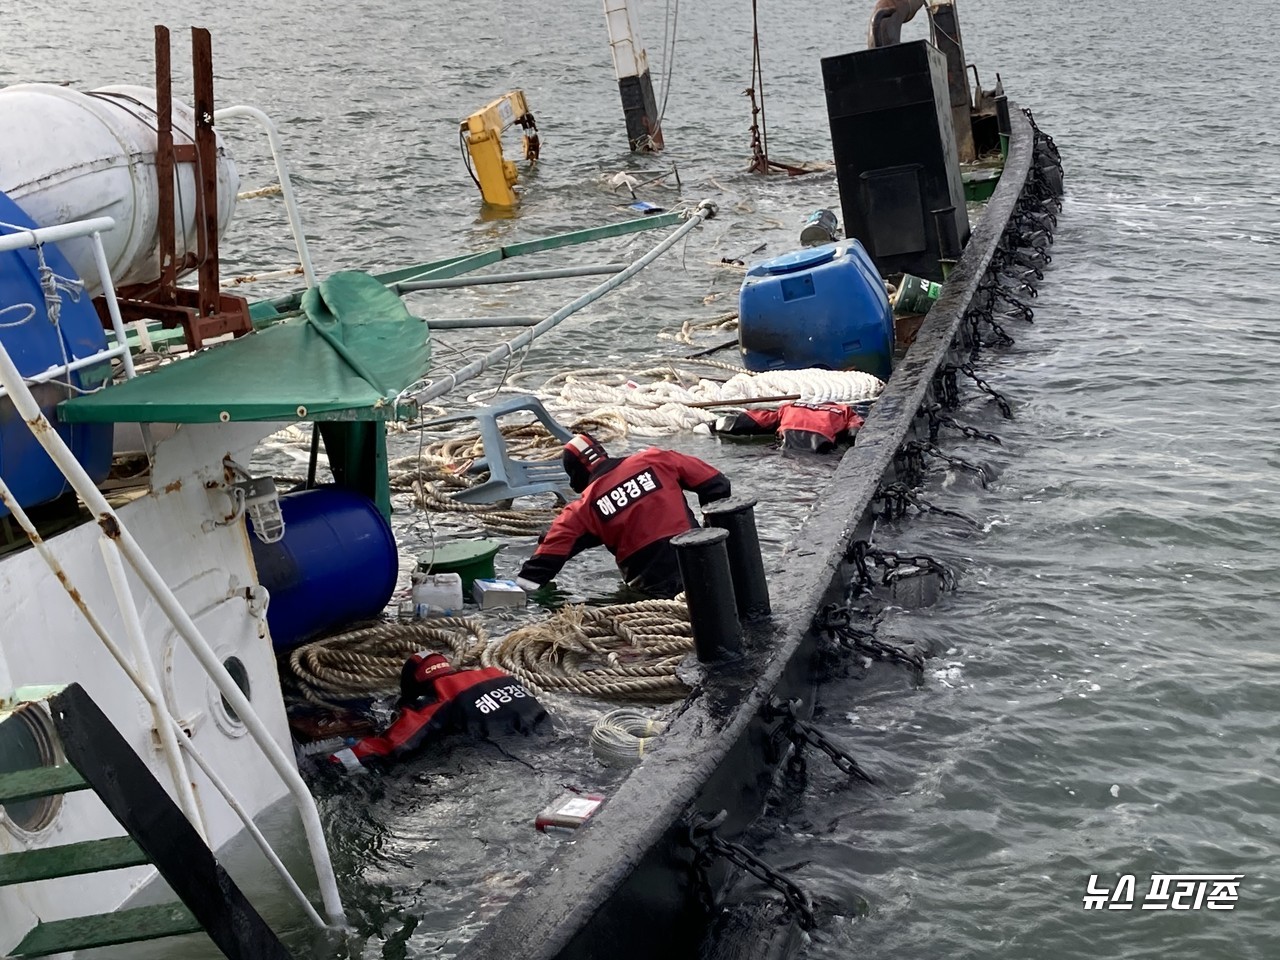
x=35 y=345
x=336 y=564
x=821 y=307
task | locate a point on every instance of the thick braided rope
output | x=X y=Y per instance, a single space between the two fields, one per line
x=367 y=662
x=620 y=652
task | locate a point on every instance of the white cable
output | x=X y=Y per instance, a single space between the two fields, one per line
x=620 y=737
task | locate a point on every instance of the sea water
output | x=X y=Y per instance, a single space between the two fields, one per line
x=1104 y=700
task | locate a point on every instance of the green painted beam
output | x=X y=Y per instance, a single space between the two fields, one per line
x=107 y=929
x=39 y=782
x=69 y=860
x=458 y=265
x=655 y=222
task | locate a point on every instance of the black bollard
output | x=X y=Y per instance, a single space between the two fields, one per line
x=1004 y=125
x=948 y=239
x=737 y=515
x=708 y=589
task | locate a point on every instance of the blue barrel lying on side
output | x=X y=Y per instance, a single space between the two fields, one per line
x=821 y=307
x=35 y=345
x=337 y=563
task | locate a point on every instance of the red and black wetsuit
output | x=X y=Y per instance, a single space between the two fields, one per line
x=804 y=426
x=482 y=702
x=633 y=506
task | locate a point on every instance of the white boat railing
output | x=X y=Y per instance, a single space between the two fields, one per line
x=25 y=237
x=286 y=184
x=120 y=547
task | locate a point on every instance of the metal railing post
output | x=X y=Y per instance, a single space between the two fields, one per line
x=286 y=185
x=147 y=668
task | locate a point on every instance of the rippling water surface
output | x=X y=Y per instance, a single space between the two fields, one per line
x=1105 y=701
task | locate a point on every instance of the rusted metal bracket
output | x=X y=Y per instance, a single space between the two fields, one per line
x=206 y=312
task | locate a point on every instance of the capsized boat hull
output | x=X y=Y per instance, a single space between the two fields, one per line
x=626 y=887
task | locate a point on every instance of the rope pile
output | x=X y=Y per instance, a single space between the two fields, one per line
x=624 y=651
x=442 y=468
x=672 y=400
x=366 y=662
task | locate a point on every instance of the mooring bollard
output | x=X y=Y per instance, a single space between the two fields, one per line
x=1004 y=125
x=737 y=515
x=708 y=589
x=949 y=248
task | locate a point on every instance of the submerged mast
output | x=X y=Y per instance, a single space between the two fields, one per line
x=631 y=66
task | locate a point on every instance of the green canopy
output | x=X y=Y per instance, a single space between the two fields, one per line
x=347 y=358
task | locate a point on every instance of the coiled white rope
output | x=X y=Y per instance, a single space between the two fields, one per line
x=620 y=737
x=671 y=401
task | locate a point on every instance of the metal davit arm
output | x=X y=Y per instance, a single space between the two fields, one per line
x=481 y=133
x=885 y=28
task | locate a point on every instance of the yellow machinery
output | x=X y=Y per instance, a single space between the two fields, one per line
x=481 y=135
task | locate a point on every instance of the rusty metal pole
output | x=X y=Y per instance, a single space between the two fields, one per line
x=206 y=171
x=947 y=38
x=164 y=168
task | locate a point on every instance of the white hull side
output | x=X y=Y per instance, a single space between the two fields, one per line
x=45 y=640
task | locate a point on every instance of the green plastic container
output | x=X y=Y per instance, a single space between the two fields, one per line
x=915 y=295
x=470 y=559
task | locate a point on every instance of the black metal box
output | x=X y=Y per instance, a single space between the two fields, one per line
x=895 y=153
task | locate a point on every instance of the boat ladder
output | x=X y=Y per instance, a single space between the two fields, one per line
x=98 y=758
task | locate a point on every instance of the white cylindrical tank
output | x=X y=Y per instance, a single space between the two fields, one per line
x=67 y=155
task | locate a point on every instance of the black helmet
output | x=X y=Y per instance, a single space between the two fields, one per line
x=583 y=455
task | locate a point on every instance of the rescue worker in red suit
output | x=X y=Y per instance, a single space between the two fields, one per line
x=813 y=426
x=436 y=699
x=633 y=506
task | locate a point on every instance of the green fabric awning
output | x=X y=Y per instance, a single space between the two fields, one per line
x=347 y=358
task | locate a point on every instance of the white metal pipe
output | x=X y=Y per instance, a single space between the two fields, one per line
x=107 y=518
x=147 y=668
x=286 y=185
x=73 y=366
x=153 y=698
x=28 y=237
x=263 y=844
x=499 y=354
x=79 y=364
x=113 y=308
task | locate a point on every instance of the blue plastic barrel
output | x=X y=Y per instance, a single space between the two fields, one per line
x=821 y=307
x=35 y=345
x=336 y=564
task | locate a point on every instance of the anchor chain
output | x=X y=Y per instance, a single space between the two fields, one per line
x=1002 y=337
x=836 y=622
x=995 y=291
x=915 y=447
x=708 y=845
x=909 y=464
x=972 y=374
x=896 y=497
x=975 y=317
x=801 y=733
x=938 y=420
x=894 y=564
